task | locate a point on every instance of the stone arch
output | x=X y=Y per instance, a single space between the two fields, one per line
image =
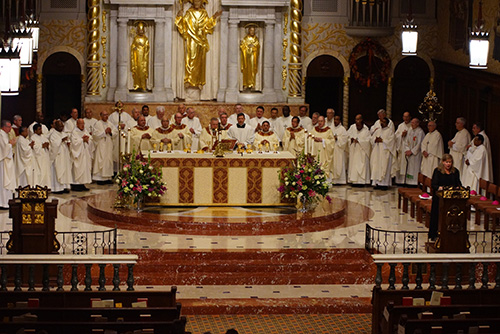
x=66 y=49
x=334 y=54
x=424 y=57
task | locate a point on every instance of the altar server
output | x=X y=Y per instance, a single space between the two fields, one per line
x=24 y=159
x=256 y=122
x=339 y=155
x=458 y=145
x=180 y=133
x=267 y=138
x=305 y=120
x=412 y=149
x=60 y=157
x=359 y=153
x=381 y=114
x=103 y=135
x=81 y=151
x=476 y=164
x=401 y=135
x=155 y=121
x=7 y=169
x=140 y=136
x=43 y=175
x=322 y=147
x=194 y=126
x=294 y=137
x=383 y=156
x=432 y=150
x=210 y=135
x=242 y=132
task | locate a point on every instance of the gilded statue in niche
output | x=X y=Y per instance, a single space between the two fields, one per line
x=194 y=26
x=139 y=58
x=249 y=47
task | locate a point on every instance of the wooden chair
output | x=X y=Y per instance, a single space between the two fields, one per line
x=480 y=206
x=415 y=200
x=492 y=212
x=424 y=207
x=483 y=190
x=405 y=193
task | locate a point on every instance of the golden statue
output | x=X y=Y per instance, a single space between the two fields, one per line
x=194 y=27
x=249 y=48
x=139 y=59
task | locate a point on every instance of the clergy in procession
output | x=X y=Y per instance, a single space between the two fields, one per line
x=181 y=136
x=267 y=138
x=43 y=175
x=330 y=114
x=322 y=146
x=286 y=119
x=70 y=124
x=103 y=135
x=381 y=115
x=238 y=109
x=24 y=159
x=383 y=156
x=210 y=135
x=256 y=122
x=476 y=164
x=7 y=169
x=39 y=118
x=305 y=120
x=140 y=136
x=276 y=124
x=477 y=129
x=359 y=153
x=401 y=134
x=458 y=145
x=432 y=150
x=81 y=150
x=89 y=121
x=194 y=126
x=339 y=155
x=294 y=137
x=155 y=121
x=242 y=132
x=412 y=147
x=162 y=135
x=60 y=157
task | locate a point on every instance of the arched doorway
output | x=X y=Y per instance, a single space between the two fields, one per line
x=410 y=84
x=324 y=84
x=62 y=85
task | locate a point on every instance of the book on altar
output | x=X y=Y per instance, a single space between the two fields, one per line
x=227 y=144
x=436 y=298
x=418 y=301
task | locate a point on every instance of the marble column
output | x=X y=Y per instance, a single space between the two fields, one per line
x=268 y=87
x=122 y=68
x=113 y=54
x=232 y=63
x=388 y=107
x=278 y=40
x=221 y=94
x=159 y=61
x=168 y=55
x=345 y=111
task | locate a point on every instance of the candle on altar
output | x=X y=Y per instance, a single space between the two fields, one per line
x=306 y=143
x=128 y=141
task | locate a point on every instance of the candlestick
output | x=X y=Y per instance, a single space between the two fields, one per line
x=128 y=142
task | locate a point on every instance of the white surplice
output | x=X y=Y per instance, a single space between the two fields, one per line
x=7 y=170
x=245 y=136
x=459 y=149
x=477 y=169
x=193 y=123
x=43 y=173
x=24 y=161
x=413 y=143
x=401 y=161
x=62 y=164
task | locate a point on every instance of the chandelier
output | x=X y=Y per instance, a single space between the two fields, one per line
x=479 y=43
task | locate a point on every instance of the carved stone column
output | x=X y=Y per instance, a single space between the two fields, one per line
x=159 y=61
x=295 y=64
x=223 y=71
x=168 y=55
x=232 y=63
x=113 y=54
x=93 y=64
x=388 y=102
x=268 y=75
x=123 y=54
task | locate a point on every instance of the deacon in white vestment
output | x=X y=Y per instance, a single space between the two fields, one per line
x=401 y=134
x=155 y=121
x=267 y=138
x=140 y=136
x=412 y=149
x=383 y=156
x=458 y=145
x=60 y=157
x=359 y=153
x=210 y=135
x=81 y=151
x=70 y=124
x=381 y=115
x=330 y=114
x=476 y=164
x=477 y=129
x=339 y=155
x=89 y=121
x=256 y=122
x=194 y=126
x=181 y=135
x=305 y=120
x=7 y=169
x=294 y=137
x=243 y=133
x=43 y=172
x=103 y=135
x=276 y=124
x=432 y=150
x=24 y=159
x=322 y=147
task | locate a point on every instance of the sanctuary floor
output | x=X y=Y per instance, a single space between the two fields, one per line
x=275 y=293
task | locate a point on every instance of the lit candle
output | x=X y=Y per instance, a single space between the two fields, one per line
x=306 y=143
x=128 y=141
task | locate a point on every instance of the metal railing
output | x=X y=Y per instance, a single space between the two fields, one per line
x=378 y=241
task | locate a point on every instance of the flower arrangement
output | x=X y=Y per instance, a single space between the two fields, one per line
x=305 y=180
x=139 y=179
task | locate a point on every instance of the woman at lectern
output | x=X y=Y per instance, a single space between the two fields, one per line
x=444 y=175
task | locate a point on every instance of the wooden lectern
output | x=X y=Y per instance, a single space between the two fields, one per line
x=452 y=229
x=33 y=222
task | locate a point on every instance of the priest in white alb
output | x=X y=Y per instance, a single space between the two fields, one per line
x=103 y=134
x=268 y=139
x=155 y=121
x=242 y=132
x=294 y=137
x=181 y=135
x=89 y=121
x=256 y=122
x=383 y=156
x=43 y=174
x=276 y=124
x=81 y=150
x=194 y=126
x=381 y=114
x=432 y=150
x=412 y=148
x=478 y=129
x=322 y=147
x=359 y=153
x=458 y=145
x=339 y=155
x=140 y=136
x=305 y=120
x=24 y=159
x=60 y=156
x=7 y=169
x=70 y=123
x=401 y=134
x=476 y=164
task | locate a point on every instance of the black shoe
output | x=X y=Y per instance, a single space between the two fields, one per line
x=57 y=192
x=384 y=188
x=102 y=183
x=83 y=188
x=377 y=187
x=66 y=191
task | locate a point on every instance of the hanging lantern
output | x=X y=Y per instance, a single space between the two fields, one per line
x=409 y=36
x=34 y=26
x=22 y=38
x=479 y=44
x=10 y=71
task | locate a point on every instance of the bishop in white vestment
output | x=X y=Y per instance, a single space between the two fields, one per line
x=140 y=136
x=294 y=137
x=267 y=138
x=322 y=147
x=181 y=136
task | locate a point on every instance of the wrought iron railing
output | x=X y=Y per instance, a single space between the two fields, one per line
x=378 y=241
x=78 y=243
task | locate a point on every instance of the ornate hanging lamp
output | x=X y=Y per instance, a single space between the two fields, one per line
x=22 y=38
x=10 y=70
x=479 y=43
x=409 y=36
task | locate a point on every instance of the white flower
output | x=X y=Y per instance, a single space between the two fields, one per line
x=140 y=171
x=310 y=170
x=131 y=186
x=117 y=180
x=286 y=178
x=304 y=187
x=125 y=169
x=286 y=196
x=149 y=194
x=286 y=183
x=294 y=184
x=317 y=182
x=150 y=167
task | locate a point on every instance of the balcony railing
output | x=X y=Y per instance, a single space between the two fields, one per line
x=370 y=18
